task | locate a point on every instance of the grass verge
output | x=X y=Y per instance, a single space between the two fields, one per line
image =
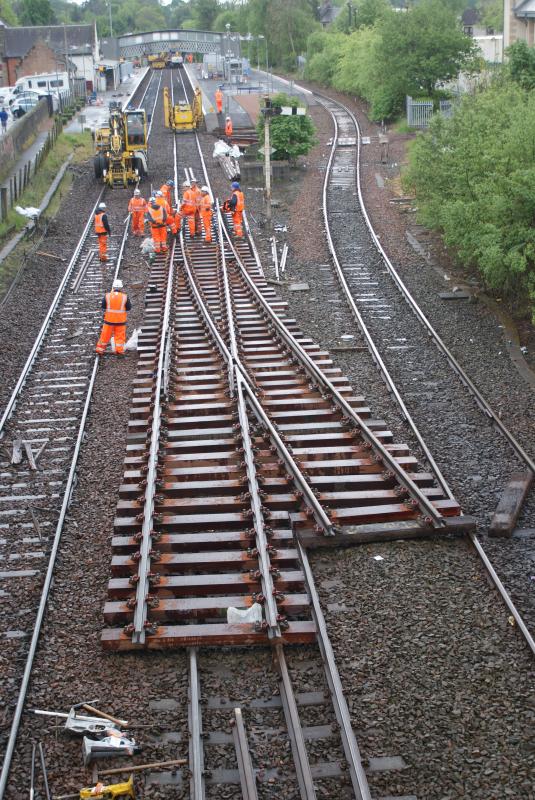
x=33 y=195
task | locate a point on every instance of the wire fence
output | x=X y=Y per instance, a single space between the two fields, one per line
x=419 y=112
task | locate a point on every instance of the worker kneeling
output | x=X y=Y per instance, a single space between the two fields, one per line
x=205 y=209
x=115 y=305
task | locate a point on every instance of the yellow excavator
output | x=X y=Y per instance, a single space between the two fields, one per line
x=183 y=116
x=121 y=147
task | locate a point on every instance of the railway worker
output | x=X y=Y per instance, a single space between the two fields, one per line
x=157 y=216
x=189 y=206
x=137 y=207
x=235 y=204
x=174 y=220
x=167 y=191
x=219 y=100
x=198 y=196
x=229 y=130
x=206 y=213
x=162 y=201
x=102 y=229
x=116 y=306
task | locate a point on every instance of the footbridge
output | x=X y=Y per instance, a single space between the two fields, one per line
x=184 y=41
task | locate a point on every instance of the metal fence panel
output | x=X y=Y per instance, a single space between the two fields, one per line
x=419 y=112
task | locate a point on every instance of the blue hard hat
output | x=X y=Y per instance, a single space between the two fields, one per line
x=170 y=183
x=234 y=185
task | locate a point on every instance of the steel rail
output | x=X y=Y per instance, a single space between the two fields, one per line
x=295 y=731
x=67 y=495
x=69 y=486
x=129 y=99
x=243 y=757
x=372 y=347
x=154 y=106
x=143 y=586
x=196 y=750
x=452 y=361
x=44 y=328
x=351 y=749
x=347 y=410
x=392 y=386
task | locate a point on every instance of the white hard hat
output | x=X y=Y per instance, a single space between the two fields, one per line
x=117 y=284
x=186 y=184
x=136 y=191
x=159 y=194
x=194 y=180
x=102 y=206
x=205 y=189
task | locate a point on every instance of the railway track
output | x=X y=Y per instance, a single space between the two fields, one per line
x=41 y=430
x=387 y=326
x=244 y=442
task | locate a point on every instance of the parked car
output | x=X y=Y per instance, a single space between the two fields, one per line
x=28 y=100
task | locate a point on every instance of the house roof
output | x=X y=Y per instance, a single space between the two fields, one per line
x=471 y=16
x=526 y=8
x=19 y=41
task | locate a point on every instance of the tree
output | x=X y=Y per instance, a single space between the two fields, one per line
x=521 y=64
x=290 y=24
x=492 y=14
x=290 y=136
x=423 y=46
x=7 y=14
x=368 y=12
x=36 y=12
x=205 y=12
x=324 y=51
x=474 y=178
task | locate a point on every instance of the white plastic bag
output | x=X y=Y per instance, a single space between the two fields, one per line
x=133 y=340
x=241 y=615
x=147 y=246
x=221 y=148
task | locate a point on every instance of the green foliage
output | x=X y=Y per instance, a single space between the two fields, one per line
x=290 y=24
x=402 y=53
x=290 y=136
x=521 y=64
x=36 y=12
x=492 y=14
x=324 y=51
x=7 y=14
x=474 y=177
x=368 y=12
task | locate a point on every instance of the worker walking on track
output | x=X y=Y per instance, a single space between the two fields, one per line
x=157 y=217
x=116 y=306
x=102 y=229
x=137 y=207
x=189 y=206
x=167 y=190
x=198 y=196
x=236 y=204
x=206 y=213
x=229 y=130
x=219 y=100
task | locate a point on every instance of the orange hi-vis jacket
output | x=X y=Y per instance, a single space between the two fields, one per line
x=240 y=200
x=166 y=191
x=189 y=202
x=137 y=204
x=99 y=224
x=206 y=204
x=158 y=216
x=115 y=313
x=228 y=127
x=163 y=202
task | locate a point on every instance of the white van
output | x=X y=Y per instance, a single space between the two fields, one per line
x=55 y=83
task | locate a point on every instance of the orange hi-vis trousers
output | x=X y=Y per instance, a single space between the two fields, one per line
x=119 y=334
x=191 y=223
x=237 y=218
x=159 y=238
x=207 y=224
x=103 y=246
x=138 y=222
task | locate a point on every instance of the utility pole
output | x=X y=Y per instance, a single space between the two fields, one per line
x=268 y=111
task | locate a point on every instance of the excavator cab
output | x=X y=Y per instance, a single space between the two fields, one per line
x=183 y=116
x=121 y=147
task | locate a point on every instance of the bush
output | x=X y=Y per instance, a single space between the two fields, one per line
x=290 y=136
x=474 y=177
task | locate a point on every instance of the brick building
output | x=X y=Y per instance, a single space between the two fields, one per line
x=47 y=48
